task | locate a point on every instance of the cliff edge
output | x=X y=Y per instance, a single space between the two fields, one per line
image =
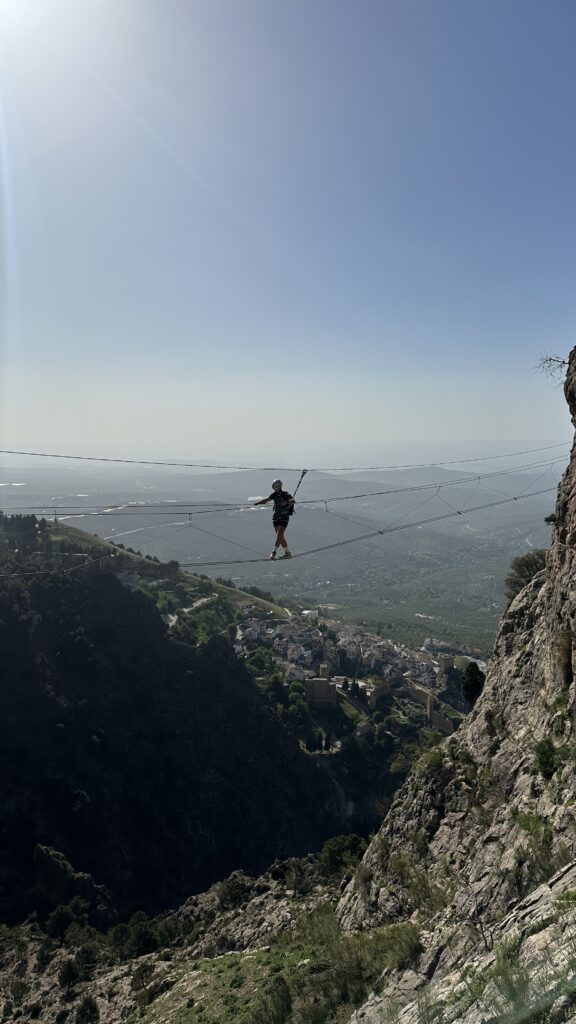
x=484 y=830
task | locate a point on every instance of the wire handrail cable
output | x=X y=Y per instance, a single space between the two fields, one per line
x=273 y=469
x=174 y=508
x=384 y=531
x=311 y=551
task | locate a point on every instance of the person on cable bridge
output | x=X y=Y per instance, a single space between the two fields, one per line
x=283 y=509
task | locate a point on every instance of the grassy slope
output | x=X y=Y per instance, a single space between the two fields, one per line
x=96 y=546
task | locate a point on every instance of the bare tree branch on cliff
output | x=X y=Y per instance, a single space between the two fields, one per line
x=553 y=366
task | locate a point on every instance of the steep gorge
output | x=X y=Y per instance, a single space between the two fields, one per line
x=147 y=763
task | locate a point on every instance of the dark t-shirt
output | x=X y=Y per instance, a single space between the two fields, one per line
x=282 y=504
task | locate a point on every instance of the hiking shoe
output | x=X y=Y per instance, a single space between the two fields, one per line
x=273 y=556
x=287 y=554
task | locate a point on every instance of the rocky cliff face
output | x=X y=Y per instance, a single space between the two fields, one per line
x=491 y=814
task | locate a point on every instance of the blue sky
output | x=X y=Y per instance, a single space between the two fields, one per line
x=235 y=225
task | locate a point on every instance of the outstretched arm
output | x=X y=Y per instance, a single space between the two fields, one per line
x=264 y=501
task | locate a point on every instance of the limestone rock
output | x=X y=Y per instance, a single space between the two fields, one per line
x=486 y=820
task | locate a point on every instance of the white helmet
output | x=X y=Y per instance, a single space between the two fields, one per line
x=276 y=485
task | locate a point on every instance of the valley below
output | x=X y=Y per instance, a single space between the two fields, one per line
x=238 y=791
x=425 y=574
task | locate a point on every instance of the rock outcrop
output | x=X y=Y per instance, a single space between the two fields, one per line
x=57 y=883
x=489 y=815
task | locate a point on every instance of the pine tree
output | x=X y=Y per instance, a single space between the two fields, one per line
x=522 y=570
x=68 y=976
x=472 y=683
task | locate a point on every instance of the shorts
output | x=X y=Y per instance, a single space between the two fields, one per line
x=279 y=522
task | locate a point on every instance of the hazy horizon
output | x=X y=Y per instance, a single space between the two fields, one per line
x=328 y=456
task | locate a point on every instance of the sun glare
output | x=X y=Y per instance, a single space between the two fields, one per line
x=18 y=14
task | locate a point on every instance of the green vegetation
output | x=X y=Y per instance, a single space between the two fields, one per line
x=548 y=757
x=341 y=854
x=422 y=893
x=455 y=624
x=310 y=971
x=463 y=602
x=95 y=681
x=518 y=987
x=431 y=761
x=539 y=857
x=472 y=682
x=371 y=763
x=522 y=570
x=156 y=733
x=310 y=974
x=234 y=891
x=87 y=1012
x=115 y=737
x=69 y=975
x=199 y=609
